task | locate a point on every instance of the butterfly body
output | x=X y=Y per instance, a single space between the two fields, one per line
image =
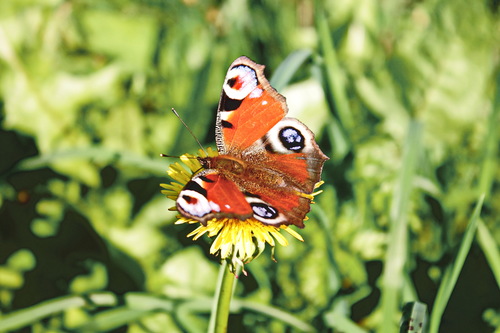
x=268 y=165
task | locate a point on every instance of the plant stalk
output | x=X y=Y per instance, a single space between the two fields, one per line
x=222 y=300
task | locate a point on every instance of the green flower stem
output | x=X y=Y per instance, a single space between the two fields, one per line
x=222 y=300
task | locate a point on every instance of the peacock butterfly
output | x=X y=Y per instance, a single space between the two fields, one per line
x=268 y=164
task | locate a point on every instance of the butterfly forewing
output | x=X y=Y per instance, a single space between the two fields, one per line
x=248 y=107
x=209 y=195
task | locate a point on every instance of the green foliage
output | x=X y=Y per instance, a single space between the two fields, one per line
x=404 y=96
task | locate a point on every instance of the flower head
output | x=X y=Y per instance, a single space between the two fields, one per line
x=237 y=241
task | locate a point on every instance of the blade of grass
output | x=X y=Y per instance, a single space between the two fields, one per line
x=490 y=249
x=195 y=110
x=202 y=306
x=489 y=163
x=142 y=301
x=339 y=320
x=272 y=312
x=335 y=90
x=285 y=71
x=28 y=316
x=489 y=169
x=97 y=154
x=334 y=280
x=111 y=319
x=393 y=275
x=451 y=275
x=191 y=314
x=334 y=73
x=136 y=305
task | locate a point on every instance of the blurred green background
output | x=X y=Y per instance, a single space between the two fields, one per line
x=402 y=95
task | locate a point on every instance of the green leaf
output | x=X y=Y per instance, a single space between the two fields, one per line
x=453 y=271
x=397 y=252
x=285 y=71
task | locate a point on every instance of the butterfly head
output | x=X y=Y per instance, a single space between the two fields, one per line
x=224 y=164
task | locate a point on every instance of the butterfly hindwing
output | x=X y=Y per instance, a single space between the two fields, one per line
x=291 y=145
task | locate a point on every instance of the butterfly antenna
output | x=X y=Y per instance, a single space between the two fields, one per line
x=189 y=130
x=175 y=156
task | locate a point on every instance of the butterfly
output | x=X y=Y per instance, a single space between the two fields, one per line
x=268 y=164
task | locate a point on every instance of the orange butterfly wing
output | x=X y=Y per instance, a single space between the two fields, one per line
x=248 y=108
x=208 y=195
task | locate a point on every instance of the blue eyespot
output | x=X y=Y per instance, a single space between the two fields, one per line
x=292 y=139
x=264 y=211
